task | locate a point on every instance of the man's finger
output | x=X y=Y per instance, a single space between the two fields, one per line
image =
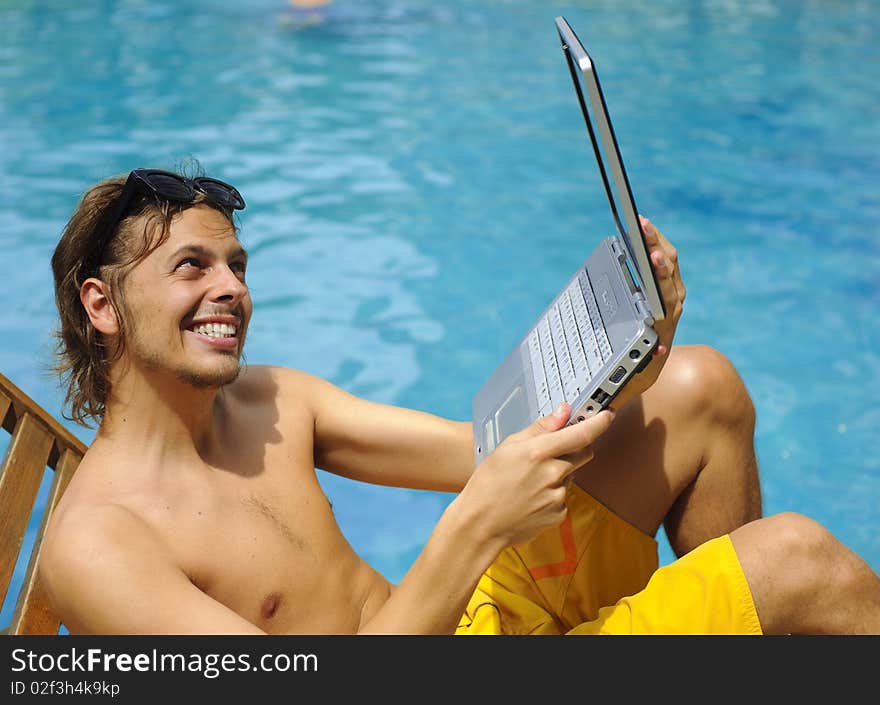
x=645 y=224
x=672 y=256
x=579 y=457
x=658 y=241
x=574 y=437
x=574 y=461
x=547 y=424
x=665 y=278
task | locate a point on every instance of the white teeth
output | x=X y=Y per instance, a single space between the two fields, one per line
x=216 y=330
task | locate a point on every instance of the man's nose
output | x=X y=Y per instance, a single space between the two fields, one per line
x=226 y=285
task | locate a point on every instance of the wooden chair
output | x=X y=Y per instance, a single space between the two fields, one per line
x=38 y=441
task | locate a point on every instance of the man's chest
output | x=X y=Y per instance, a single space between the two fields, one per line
x=275 y=556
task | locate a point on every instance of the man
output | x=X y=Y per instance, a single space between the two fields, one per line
x=197 y=508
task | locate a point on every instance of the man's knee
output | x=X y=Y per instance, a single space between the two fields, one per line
x=800 y=552
x=704 y=383
x=797 y=536
x=803 y=580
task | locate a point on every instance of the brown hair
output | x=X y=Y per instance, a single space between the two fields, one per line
x=83 y=356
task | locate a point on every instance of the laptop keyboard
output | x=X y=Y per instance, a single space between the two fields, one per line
x=568 y=346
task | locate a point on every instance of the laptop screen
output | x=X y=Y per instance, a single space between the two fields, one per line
x=620 y=198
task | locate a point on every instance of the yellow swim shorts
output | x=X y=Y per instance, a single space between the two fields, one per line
x=597 y=574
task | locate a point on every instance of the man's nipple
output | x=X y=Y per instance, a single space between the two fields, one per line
x=270 y=605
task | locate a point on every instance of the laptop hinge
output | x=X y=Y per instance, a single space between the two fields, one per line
x=643 y=310
x=638 y=296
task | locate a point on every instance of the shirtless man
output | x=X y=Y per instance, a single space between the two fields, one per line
x=197 y=508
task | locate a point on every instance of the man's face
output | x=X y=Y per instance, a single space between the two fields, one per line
x=187 y=305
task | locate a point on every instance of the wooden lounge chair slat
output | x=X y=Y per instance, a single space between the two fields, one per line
x=38 y=440
x=33 y=613
x=21 y=403
x=5 y=404
x=23 y=468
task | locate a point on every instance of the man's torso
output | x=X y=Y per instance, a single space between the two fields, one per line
x=252 y=529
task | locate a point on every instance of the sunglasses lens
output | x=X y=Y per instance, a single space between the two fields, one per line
x=170 y=187
x=221 y=193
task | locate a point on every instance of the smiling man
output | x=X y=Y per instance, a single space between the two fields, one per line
x=197 y=508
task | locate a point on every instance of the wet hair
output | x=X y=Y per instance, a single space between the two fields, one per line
x=83 y=355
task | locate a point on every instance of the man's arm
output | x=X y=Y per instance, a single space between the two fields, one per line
x=513 y=495
x=387 y=445
x=378 y=443
x=114 y=576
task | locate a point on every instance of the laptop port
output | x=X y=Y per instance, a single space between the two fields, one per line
x=600 y=396
x=617 y=375
x=646 y=360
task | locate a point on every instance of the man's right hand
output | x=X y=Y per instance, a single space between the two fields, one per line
x=519 y=490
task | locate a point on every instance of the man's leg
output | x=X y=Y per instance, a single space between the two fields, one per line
x=804 y=581
x=682 y=454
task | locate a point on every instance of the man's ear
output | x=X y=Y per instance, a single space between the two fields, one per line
x=95 y=300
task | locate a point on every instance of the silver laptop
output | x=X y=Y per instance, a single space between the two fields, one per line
x=597 y=332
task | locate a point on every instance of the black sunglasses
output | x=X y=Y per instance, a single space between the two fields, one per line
x=165 y=185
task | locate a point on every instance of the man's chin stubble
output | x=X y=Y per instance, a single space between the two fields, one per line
x=200 y=380
x=197 y=379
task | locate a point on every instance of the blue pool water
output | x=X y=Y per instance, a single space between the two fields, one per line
x=419 y=184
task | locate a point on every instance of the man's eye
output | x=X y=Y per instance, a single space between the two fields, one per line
x=189 y=262
x=238 y=267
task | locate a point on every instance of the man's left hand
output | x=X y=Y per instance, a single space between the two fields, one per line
x=664 y=259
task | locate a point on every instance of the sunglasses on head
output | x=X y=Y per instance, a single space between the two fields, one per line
x=163 y=185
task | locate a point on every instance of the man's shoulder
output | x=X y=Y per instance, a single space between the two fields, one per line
x=271 y=396
x=90 y=532
x=86 y=524
x=274 y=389
x=258 y=383
x=97 y=555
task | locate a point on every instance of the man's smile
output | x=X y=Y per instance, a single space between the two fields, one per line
x=217 y=331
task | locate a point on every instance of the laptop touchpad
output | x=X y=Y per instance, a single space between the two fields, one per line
x=513 y=415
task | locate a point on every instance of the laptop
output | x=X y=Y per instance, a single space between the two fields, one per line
x=597 y=332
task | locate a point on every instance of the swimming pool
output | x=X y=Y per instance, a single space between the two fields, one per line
x=406 y=164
